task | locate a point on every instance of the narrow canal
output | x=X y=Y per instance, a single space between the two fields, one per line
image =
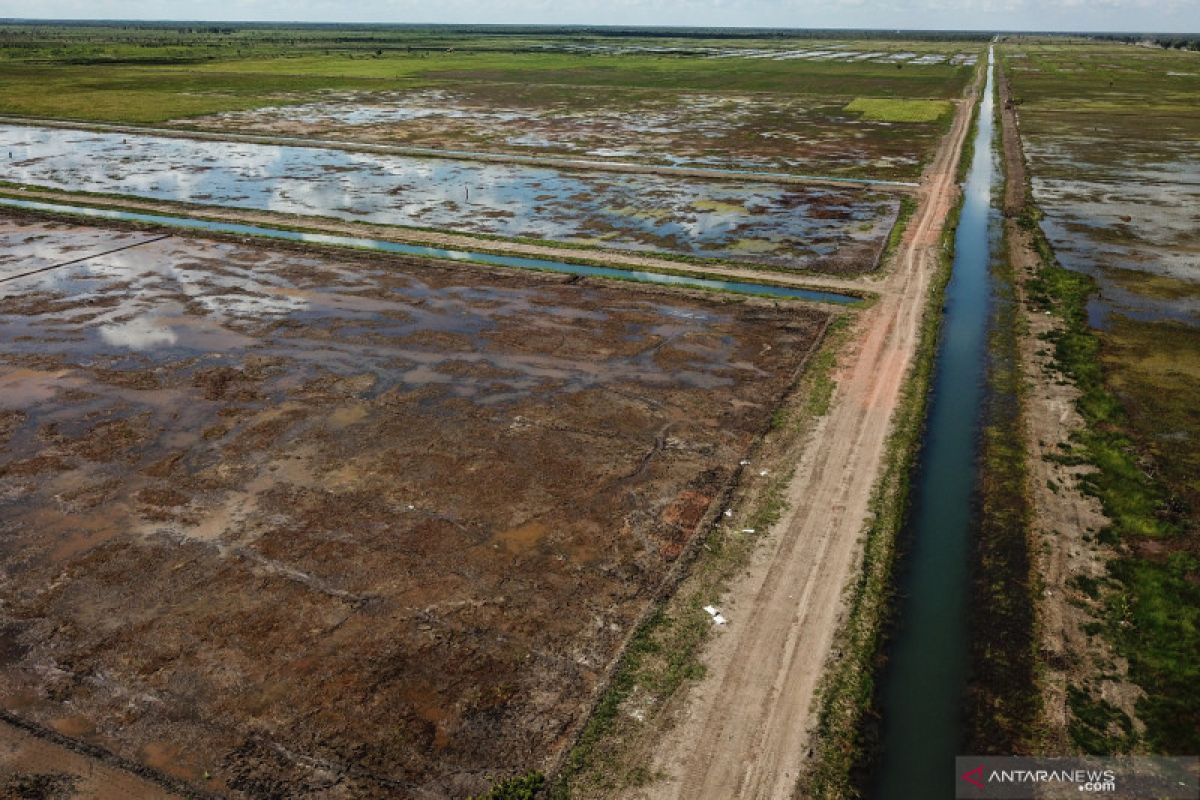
x=922 y=687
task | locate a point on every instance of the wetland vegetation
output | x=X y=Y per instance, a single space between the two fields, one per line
x=1110 y=134
x=517 y=92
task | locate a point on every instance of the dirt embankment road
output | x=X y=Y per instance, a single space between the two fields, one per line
x=744 y=730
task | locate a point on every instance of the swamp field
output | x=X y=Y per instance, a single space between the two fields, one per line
x=274 y=519
x=284 y=520
x=777 y=104
x=1111 y=133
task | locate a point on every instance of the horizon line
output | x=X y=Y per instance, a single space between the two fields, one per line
x=587 y=25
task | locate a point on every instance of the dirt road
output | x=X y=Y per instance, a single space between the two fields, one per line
x=745 y=731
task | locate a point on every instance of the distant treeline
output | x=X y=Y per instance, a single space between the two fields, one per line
x=201 y=27
x=1171 y=41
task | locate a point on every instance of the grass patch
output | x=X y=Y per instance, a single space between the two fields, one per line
x=880 y=109
x=521 y=787
x=1097 y=726
x=908 y=206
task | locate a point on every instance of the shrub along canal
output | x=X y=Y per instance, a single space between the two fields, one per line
x=922 y=685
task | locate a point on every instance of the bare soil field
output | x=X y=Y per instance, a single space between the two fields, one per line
x=281 y=525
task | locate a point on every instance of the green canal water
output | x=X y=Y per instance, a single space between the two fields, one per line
x=922 y=685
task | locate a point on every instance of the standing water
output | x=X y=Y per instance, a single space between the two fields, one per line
x=922 y=686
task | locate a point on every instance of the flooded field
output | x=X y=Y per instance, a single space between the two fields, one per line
x=1120 y=190
x=880 y=51
x=280 y=523
x=1112 y=136
x=1119 y=183
x=772 y=104
x=811 y=134
x=786 y=227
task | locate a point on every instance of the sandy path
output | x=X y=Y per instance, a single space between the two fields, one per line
x=744 y=730
x=870 y=282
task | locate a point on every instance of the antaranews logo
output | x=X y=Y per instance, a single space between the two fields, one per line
x=974 y=777
x=1149 y=777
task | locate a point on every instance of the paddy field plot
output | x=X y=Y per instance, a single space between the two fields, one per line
x=658 y=104
x=351 y=526
x=1112 y=137
x=777 y=225
x=1112 y=134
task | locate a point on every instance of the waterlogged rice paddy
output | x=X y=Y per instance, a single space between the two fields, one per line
x=880 y=51
x=1117 y=178
x=1112 y=135
x=750 y=131
x=771 y=104
x=786 y=227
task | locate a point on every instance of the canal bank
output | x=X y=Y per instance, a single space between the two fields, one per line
x=922 y=685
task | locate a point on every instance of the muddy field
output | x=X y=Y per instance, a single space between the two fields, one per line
x=785 y=227
x=812 y=134
x=284 y=525
x=1110 y=132
x=1118 y=179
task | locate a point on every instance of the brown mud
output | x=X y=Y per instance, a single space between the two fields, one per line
x=283 y=525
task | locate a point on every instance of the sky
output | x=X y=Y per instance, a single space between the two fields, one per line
x=1074 y=15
